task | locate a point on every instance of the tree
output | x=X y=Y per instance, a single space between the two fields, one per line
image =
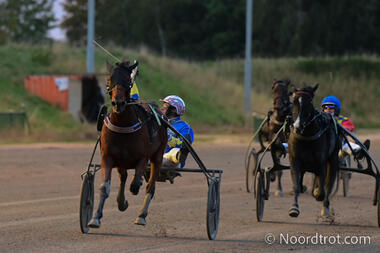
x=26 y=20
x=75 y=22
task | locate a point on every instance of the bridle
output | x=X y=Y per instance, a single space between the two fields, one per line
x=124 y=79
x=311 y=117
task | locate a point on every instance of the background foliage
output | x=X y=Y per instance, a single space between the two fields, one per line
x=210 y=29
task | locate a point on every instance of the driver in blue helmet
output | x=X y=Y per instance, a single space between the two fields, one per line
x=332 y=105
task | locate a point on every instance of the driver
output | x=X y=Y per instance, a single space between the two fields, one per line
x=175 y=153
x=332 y=105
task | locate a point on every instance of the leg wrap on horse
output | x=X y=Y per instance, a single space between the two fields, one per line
x=144 y=210
x=105 y=189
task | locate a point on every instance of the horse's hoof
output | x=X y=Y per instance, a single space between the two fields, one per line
x=94 y=223
x=325 y=212
x=135 y=189
x=140 y=221
x=294 y=212
x=278 y=193
x=272 y=177
x=319 y=195
x=122 y=206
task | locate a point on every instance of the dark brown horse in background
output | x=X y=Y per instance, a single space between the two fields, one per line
x=130 y=137
x=313 y=147
x=282 y=108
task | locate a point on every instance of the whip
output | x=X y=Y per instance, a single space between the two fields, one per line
x=105 y=50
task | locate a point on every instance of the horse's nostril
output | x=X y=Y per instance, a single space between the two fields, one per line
x=113 y=103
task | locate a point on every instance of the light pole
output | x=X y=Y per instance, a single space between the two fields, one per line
x=248 y=65
x=90 y=36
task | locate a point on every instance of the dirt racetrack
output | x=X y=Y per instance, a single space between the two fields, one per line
x=39 y=197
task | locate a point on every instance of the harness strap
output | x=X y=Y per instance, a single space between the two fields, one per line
x=122 y=130
x=309 y=138
x=335 y=124
x=276 y=121
x=155 y=114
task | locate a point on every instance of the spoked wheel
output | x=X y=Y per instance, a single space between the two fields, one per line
x=378 y=205
x=213 y=204
x=86 y=204
x=260 y=195
x=346 y=179
x=250 y=170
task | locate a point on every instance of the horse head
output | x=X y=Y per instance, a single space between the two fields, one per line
x=281 y=101
x=303 y=109
x=119 y=84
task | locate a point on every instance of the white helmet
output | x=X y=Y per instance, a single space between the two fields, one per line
x=177 y=102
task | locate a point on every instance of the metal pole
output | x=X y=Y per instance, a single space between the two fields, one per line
x=248 y=65
x=90 y=36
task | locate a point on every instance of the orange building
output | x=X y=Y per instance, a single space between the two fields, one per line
x=77 y=94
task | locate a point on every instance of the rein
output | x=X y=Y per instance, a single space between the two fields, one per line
x=313 y=137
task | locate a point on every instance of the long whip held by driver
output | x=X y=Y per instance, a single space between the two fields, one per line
x=105 y=50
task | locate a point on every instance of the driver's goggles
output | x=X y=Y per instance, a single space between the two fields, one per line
x=328 y=107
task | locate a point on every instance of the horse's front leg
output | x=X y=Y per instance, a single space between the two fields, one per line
x=105 y=188
x=302 y=186
x=319 y=192
x=137 y=180
x=332 y=173
x=278 y=173
x=150 y=189
x=294 y=211
x=122 y=203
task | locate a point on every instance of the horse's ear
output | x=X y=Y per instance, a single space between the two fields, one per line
x=109 y=67
x=315 y=87
x=274 y=82
x=287 y=82
x=133 y=68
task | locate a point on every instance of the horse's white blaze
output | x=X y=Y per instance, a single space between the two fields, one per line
x=297 y=122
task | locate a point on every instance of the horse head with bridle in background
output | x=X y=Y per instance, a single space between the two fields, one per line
x=313 y=147
x=130 y=137
x=282 y=108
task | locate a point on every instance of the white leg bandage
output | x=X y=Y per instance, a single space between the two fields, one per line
x=171 y=158
x=347 y=149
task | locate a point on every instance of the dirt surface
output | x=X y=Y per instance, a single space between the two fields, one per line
x=39 y=202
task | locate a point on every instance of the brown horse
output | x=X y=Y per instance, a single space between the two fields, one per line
x=282 y=108
x=130 y=137
x=313 y=147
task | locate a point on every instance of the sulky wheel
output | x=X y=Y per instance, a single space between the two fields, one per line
x=378 y=205
x=250 y=170
x=213 y=204
x=260 y=195
x=86 y=201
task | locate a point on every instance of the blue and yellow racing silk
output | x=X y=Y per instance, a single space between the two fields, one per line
x=175 y=141
x=135 y=92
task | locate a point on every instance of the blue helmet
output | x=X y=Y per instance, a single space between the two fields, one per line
x=332 y=100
